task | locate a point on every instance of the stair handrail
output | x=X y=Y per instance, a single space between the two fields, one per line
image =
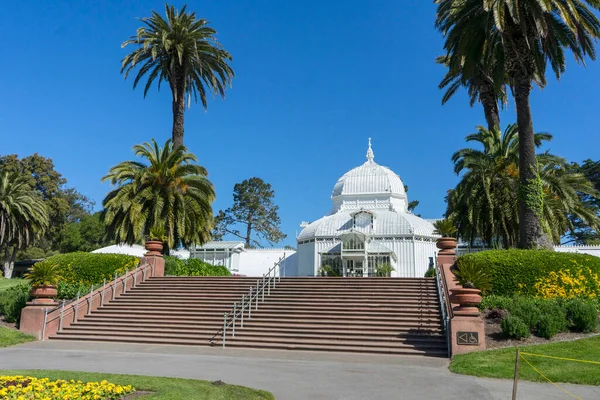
x=88 y=300
x=270 y=278
x=444 y=299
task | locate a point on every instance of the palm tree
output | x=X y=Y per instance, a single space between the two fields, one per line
x=530 y=33
x=484 y=203
x=184 y=52
x=23 y=217
x=170 y=192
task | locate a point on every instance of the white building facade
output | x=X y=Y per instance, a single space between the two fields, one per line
x=368 y=227
x=247 y=262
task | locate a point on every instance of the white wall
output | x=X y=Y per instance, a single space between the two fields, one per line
x=591 y=250
x=256 y=262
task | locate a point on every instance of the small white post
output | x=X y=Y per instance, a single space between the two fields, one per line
x=76 y=308
x=45 y=321
x=90 y=300
x=243 y=306
x=224 y=328
x=125 y=281
x=257 y=282
x=233 y=322
x=62 y=312
x=102 y=293
x=250 y=304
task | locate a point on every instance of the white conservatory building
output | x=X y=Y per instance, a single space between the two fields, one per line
x=369 y=225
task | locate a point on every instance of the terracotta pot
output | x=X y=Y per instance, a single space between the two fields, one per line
x=468 y=300
x=154 y=247
x=43 y=294
x=447 y=245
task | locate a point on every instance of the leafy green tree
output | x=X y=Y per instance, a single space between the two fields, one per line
x=581 y=232
x=484 y=203
x=23 y=217
x=87 y=234
x=254 y=212
x=169 y=191
x=524 y=37
x=412 y=205
x=484 y=87
x=64 y=205
x=183 y=51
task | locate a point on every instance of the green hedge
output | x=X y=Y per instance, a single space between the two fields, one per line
x=193 y=267
x=12 y=301
x=517 y=271
x=544 y=317
x=88 y=269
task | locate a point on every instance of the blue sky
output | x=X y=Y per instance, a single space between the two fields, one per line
x=314 y=80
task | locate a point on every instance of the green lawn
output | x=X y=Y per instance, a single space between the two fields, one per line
x=6 y=283
x=501 y=363
x=162 y=388
x=10 y=337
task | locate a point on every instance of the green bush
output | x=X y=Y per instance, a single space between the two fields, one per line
x=517 y=271
x=583 y=316
x=430 y=273
x=12 y=301
x=514 y=327
x=171 y=264
x=553 y=318
x=493 y=301
x=527 y=310
x=549 y=325
x=195 y=267
x=89 y=268
x=69 y=291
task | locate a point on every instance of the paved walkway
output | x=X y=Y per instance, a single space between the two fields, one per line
x=289 y=375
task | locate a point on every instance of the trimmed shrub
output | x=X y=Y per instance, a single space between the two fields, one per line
x=171 y=264
x=528 y=272
x=89 y=268
x=583 y=316
x=514 y=327
x=553 y=319
x=430 y=273
x=493 y=301
x=69 y=291
x=527 y=310
x=195 y=267
x=549 y=325
x=12 y=301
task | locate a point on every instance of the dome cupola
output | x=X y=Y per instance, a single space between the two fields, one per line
x=369 y=186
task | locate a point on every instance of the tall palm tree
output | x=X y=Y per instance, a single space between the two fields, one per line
x=531 y=33
x=23 y=217
x=484 y=203
x=170 y=192
x=184 y=52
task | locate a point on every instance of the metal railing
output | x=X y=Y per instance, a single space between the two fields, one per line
x=244 y=306
x=444 y=299
x=88 y=300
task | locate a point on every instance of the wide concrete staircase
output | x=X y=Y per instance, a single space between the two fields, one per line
x=367 y=315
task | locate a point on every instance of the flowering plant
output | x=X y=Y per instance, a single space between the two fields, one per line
x=26 y=388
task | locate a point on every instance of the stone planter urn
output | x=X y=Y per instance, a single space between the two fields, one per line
x=447 y=245
x=154 y=248
x=43 y=294
x=468 y=299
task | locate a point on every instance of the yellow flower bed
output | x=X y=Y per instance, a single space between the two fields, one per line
x=26 y=388
x=569 y=283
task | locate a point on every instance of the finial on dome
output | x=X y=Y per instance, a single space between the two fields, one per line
x=370 y=155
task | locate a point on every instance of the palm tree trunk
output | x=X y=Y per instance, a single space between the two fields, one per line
x=178 y=111
x=490 y=107
x=7 y=257
x=531 y=234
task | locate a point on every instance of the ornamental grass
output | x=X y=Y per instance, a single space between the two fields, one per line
x=25 y=388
